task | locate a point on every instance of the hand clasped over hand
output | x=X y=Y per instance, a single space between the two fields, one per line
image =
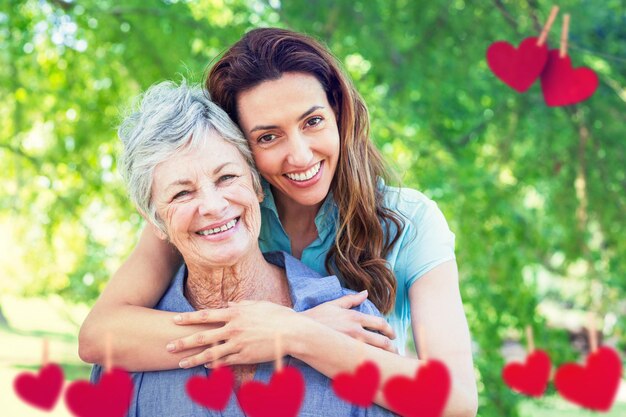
x=250 y=328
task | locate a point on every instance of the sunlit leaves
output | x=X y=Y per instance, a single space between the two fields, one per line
x=501 y=165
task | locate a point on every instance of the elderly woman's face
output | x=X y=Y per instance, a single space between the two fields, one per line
x=204 y=196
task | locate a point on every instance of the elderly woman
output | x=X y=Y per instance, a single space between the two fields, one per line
x=191 y=175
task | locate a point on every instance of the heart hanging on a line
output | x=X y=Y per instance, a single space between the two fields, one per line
x=593 y=385
x=41 y=390
x=563 y=85
x=531 y=377
x=423 y=396
x=358 y=388
x=517 y=67
x=110 y=397
x=282 y=397
x=213 y=391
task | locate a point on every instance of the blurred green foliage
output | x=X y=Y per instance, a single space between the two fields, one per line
x=535 y=195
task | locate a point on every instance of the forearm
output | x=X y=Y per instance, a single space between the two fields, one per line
x=139 y=337
x=139 y=334
x=313 y=342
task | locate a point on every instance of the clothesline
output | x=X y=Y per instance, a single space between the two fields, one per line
x=555 y=37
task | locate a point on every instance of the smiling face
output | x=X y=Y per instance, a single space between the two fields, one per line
x=292 y=131
x=205 y=198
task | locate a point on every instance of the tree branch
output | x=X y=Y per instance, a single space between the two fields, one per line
x=21 y=153
x=534 y=9
x=507 y=16
x=65 y=5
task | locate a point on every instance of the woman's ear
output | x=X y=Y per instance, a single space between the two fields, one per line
x=157 y=232
x=257 y=187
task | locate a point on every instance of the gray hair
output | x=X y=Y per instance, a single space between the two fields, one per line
x=169 y=118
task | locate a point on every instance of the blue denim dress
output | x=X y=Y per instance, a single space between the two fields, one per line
x=162 y=393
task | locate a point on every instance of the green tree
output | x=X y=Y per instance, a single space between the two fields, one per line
x=535 y=195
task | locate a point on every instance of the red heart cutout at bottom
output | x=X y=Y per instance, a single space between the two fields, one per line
x=110 y=397
x=423 y=396
x=358 y=388
x=212 y=391
x=563 y=85
x=41 y=390
x=282 y=397
x=593 y=385
x=531 y=377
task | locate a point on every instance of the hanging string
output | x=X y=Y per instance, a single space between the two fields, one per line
x=572 y=45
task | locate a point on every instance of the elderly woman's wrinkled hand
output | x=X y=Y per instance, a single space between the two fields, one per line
x=248 y=335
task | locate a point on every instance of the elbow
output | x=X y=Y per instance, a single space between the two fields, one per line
x=466 y=410
x=465 y=406
x=470 y=409
x=472 y=402
x=469 y=406
x=87 y=345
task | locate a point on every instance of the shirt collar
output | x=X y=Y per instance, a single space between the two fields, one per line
x=268 y=198
x=326 y=217
x=307 y=288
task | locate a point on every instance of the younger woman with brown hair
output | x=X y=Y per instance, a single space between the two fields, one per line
x=326 y=203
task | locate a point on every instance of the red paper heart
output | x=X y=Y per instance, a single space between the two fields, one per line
x=212 y=391
x=358 y=388
x=563 y=85
x=594 y=385
x=41 y=390
x=110 y=397
x=422 y=396
x=282 y=397
x=517 y=68
x=531 y=377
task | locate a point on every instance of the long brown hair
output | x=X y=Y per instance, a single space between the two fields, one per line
x=361 y=245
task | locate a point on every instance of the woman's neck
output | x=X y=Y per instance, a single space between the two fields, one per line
x=298 y=221
x=251 y=279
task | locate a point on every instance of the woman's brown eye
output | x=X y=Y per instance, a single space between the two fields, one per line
x=266 y=138
x=314 y=121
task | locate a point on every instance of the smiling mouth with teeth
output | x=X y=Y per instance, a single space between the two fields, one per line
x=220 y=229
x=304 y=176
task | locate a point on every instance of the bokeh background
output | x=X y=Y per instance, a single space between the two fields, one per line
x=535 y=195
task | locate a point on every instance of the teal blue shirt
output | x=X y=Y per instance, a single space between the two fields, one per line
x=425 y=242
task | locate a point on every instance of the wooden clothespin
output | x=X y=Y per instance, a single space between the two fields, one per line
x=593 y=336
x=108 y=352
x=530 y=342
x=45 y=353
x=546 y=28
x=421 y=345
x=279 y=351
x=564 y=34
